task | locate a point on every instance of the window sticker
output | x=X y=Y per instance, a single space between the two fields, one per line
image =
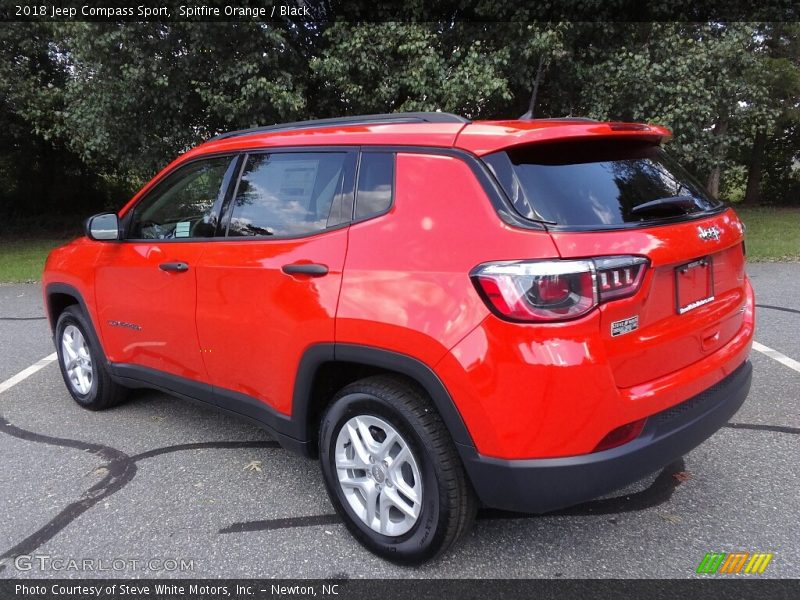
x=182 y=229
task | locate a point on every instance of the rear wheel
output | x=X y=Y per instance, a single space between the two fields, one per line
x=392 y=471
x=81 y=365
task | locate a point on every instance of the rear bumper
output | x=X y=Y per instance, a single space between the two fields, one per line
x=543 y=485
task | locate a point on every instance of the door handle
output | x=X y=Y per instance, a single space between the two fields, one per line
x=177 y=267
x=311 y=269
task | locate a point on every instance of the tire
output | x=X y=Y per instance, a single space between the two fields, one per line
x=443 y=502
x=90 y=384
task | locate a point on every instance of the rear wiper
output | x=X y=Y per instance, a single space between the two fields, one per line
x=682 y=202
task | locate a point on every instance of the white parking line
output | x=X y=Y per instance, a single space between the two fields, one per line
x=775 y=355
x=25 y=373
x=39 y=365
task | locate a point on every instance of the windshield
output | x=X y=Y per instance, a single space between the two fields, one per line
x=597 y=184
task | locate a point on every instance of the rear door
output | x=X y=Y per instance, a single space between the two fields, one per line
x=613 y=198
x=270 y=289
x=146 y=285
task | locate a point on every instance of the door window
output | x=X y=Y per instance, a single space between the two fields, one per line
x=186 y=204
x=289 y=194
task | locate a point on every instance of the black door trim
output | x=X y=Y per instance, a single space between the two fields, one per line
x=296 y=432
x=281 y=427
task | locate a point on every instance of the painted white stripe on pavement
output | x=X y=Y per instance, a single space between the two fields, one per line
x=39 y=365
x=775 y=355
x=25 y=373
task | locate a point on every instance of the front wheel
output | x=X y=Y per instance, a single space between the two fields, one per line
x=81 y=364
x=392 y=471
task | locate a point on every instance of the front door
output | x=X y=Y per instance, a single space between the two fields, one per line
x=147 y=284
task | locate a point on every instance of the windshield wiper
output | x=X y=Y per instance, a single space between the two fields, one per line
x=664 y=204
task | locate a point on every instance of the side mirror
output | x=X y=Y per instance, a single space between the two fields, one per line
x=104 y=226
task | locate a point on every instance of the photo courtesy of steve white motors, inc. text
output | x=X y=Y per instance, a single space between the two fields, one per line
x=172 y=589
x=190 y=11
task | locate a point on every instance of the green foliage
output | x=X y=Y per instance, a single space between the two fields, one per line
x=734 y=184
x=140 y=92
x=388 y=67
x=687 y=76
x=782 y=169
x=111 y=103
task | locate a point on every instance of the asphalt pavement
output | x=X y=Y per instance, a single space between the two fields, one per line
x=170 y=489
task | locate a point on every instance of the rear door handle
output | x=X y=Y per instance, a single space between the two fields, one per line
x=311 y=269
x=177 y=267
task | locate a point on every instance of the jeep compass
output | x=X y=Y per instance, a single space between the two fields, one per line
x=448 y=314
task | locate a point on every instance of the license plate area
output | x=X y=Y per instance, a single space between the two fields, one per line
x=694 y=284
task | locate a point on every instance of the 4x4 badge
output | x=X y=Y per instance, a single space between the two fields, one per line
x=709 y=233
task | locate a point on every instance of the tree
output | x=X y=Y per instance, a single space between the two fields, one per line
x=115 y=101
x=387 y=67
x=39 y=175
x=779 y=74
x=139 y=93
x=701 y=80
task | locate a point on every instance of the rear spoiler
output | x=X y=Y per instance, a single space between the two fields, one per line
x=485 y=137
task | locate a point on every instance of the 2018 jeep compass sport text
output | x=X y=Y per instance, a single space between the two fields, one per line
x=523 y=314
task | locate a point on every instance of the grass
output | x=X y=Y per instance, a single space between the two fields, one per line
x=773 y=234
x=22 y=260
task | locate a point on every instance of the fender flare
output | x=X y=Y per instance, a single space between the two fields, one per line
x=64 y=288
x=318 y=354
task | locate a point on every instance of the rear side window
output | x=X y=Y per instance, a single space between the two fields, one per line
x=591 y=184
x=288 y=194
x=375 y=184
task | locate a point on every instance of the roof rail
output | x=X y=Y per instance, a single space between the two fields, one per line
x=400 y=117
x=583 y=119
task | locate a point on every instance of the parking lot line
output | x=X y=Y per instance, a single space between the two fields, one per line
x=39 y=365
x=775 y=355
x=27 y=372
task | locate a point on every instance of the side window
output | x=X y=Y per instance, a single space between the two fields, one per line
x=288 y=194
x=186 y=204
x=375 y=184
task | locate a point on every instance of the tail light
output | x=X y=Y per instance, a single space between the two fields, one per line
x=619 y=276
x=556 y=290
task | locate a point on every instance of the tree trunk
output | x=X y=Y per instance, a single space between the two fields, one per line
x=752 y=194
x=532 y=103
x=713 y=181
x=720 y=129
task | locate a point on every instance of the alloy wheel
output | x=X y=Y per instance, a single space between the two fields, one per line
x=379 y=475
x=77 y=360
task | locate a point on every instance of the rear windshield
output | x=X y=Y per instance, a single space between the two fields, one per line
x=590 y=184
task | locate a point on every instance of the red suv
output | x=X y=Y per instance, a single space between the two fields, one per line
x=518 y=314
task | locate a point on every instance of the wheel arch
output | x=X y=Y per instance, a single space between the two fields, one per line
x=60 y=296
x=326 y=368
